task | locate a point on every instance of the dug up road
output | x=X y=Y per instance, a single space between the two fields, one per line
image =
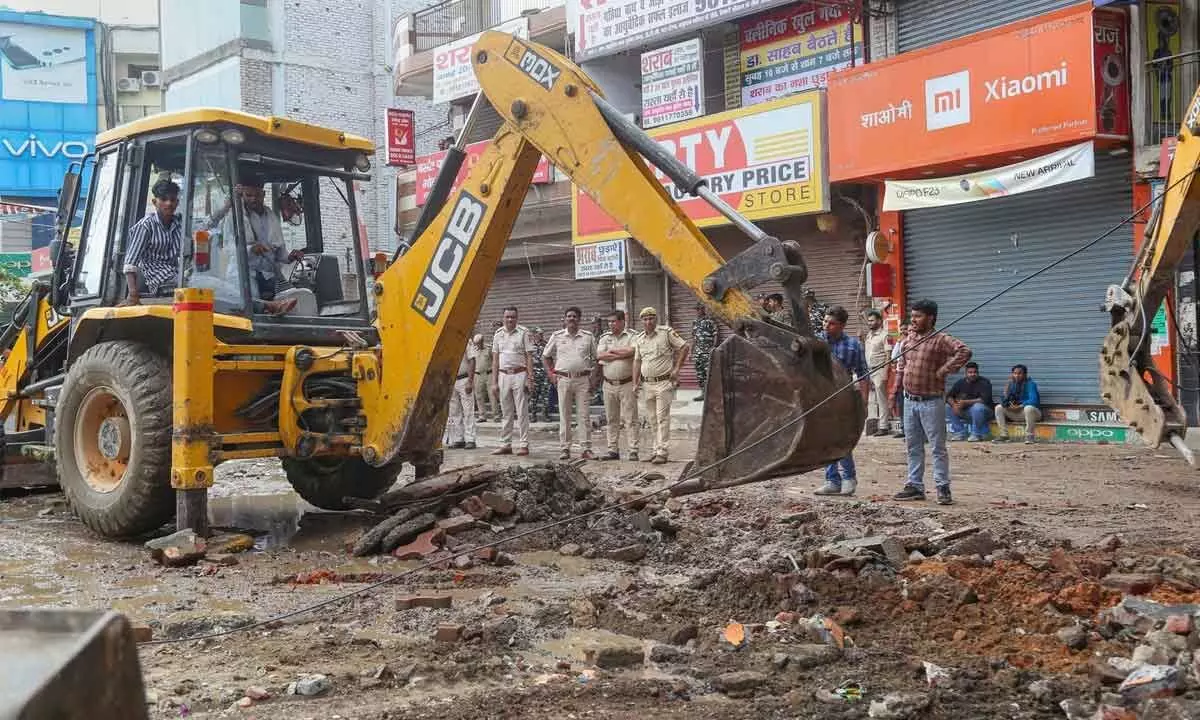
x=1063 y=583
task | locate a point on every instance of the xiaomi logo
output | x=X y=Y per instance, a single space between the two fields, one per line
x=948 y=100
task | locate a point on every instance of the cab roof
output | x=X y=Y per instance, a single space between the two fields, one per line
x=273 y=127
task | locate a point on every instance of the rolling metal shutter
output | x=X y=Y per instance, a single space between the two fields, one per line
x=541 y=293
x=958 y=256
x=921 y=23
x=834 y=268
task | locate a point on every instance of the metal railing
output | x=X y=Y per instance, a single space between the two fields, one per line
x=1170 y=82
x=454 y=19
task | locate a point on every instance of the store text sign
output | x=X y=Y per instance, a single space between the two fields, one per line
x=767 y=161
x=1025 y=85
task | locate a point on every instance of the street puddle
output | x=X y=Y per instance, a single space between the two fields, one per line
x=285 y=520
x=574 y=646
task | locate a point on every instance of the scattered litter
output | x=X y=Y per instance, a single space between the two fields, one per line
x=936 y=675
x=735 y=634
x=1137 y=506
x=850 y=691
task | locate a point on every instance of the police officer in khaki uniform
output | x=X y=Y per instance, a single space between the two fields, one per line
x=483 y=381
x=570 y=355
x=512 y=376
x=658 y=355
x=615 y=353
x=460 y=425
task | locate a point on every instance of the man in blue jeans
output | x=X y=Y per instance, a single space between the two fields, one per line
x=970 y=399
x=929 y=358
x=850 y=353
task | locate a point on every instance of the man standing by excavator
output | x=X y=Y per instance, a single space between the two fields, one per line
x=512 y=376
x=658 y=354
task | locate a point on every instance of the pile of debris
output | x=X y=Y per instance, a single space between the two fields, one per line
x=473 y=505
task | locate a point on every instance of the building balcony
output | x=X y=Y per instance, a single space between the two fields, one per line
x=1169 y=84
x=416 y=37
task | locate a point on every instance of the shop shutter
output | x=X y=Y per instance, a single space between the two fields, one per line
x=921 y=23
x=541 y=292
x=958 y=256
x=834 y=267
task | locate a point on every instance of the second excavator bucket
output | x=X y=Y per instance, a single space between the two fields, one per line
x=760 y=382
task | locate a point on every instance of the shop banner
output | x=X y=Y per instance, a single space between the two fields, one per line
x=401 y=138
x=794 y=49
x=606 y=27
x=1112 y=75
x=428 y=167
x=43 y=64
x=1163 y=44
x=40 y=261
x=453 y=75
x=600 y=260
x=1077 y=162
x=767 y=161
x=1025 y=85
x=16 y=264
x=672 y=84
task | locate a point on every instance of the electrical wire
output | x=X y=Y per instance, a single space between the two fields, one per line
x=686 y=477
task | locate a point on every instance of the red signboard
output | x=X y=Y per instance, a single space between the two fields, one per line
x=429 y=165
x=401 y=137
x=1022 y=86
x=1112 y=74
x=39 y=260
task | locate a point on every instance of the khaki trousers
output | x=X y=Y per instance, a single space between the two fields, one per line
x=1028 y=413
x=487 y=400
x=460 y=426
x=878 y=404
x=659 y=396
x=621 y=409
x=514 y=401
x=573 y=397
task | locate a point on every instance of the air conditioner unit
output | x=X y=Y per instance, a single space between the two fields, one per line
x=129 y=85
x=151 y=78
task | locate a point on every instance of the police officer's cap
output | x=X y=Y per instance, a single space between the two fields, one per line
x=648 y=312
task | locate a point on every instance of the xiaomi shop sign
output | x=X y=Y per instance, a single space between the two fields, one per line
x=1056 y=79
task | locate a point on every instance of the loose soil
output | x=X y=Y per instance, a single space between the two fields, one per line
x=531 y=629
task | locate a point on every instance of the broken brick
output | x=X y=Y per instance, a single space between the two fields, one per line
x=501 y=504
x=486 y=554
x=1179 y=624
x=457 y=524
x=1132 y=583
x=448 y=632
x=846 y=616
x=142 y=633
x=439 y=602
x=426 y=544
x=474 y=507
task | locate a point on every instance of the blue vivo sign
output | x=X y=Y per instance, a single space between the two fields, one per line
x=48 y=109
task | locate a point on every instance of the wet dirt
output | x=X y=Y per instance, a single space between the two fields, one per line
x=755 y=555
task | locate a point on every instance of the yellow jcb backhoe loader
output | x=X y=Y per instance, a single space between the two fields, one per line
x=1129 y=381
x=137 y=404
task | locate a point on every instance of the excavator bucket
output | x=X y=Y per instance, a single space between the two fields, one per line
x=776 y=404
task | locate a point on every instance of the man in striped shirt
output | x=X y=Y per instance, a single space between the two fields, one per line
x=153 y=253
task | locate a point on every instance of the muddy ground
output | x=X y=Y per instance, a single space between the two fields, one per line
x=1064 y=533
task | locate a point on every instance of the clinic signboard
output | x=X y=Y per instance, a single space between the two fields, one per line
x=48 y=92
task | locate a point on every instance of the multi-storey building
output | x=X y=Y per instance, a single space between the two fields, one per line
x=319 y=62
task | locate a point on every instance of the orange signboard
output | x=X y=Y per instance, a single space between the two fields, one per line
x=1024 y=85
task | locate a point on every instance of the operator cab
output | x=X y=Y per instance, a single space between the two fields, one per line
x=268 y=220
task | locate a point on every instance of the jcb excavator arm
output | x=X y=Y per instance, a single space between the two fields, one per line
x=1129 y=382
x=429 y=298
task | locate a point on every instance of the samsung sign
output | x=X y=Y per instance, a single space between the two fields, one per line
x=48 y=100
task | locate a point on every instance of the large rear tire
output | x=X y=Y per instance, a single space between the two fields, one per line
x=324 y=482
x=112 y=441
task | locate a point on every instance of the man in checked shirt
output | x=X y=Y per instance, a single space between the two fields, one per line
x=928 y=359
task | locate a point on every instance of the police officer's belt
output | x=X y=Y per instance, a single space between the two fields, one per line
x=464 y=375
x=512 y=371
x=572 y=375
x=656 y=378
x=619 y=382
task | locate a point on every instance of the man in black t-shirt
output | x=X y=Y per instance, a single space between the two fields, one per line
x=970 y=399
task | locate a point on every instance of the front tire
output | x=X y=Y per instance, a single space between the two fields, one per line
x=113 y=439
x=324 y=482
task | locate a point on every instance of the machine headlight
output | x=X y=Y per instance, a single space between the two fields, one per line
x=363 y=162
x=233 y=136
x=207 y=136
